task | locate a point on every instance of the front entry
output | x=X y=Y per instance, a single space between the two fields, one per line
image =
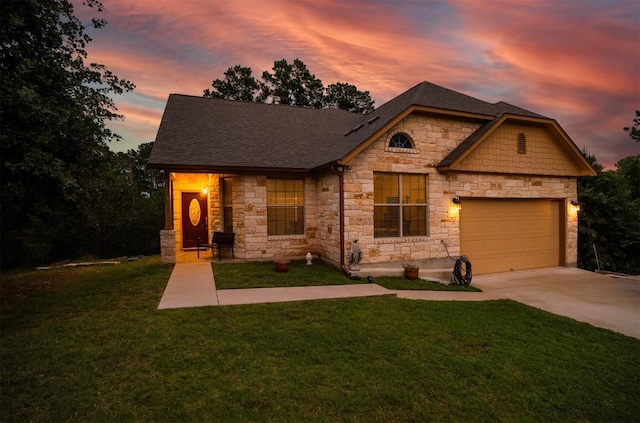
x=194 y=218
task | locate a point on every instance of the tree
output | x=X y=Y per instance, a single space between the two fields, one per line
x=238 y=84
x=53 y=137
x=610 y=218
x=347 y=97
x=293 y=84
x=634 y=131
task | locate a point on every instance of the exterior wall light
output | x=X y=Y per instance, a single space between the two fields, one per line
x=454 y=207
x=343 y=169
x=205 y=191
x=575 y=205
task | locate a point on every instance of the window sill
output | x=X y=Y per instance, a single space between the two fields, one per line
x=398 y=240
x=285 y=237
x=401 y=150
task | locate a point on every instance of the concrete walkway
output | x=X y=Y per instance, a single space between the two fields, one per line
x=603 y=301
x=300 y=293
x=190 y=285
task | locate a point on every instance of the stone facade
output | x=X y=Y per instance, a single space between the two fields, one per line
x=433 y=139
x=168 y=246
x=492 y=170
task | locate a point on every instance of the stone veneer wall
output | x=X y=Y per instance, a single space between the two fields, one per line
x=250 y=222
x=168 y=246
x=328 y=230
x=434 y=138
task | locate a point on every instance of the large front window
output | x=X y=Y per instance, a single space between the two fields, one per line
x=400 y=204
x=285 y=206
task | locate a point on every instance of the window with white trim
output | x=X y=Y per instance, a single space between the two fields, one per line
x=400 y=204
x=285 y=206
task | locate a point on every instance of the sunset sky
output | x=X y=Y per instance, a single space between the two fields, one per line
x=577 y=61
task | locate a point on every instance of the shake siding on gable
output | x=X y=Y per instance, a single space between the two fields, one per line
x=499 y=153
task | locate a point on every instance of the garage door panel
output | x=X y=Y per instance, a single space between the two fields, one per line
x=504 y=235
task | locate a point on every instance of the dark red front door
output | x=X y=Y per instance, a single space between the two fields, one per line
x=194 y=218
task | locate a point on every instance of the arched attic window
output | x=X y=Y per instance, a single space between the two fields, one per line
x=522 y=144
x=400 y=140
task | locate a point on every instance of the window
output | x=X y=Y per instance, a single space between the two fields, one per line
x=285 y=206
x=400 y=204
x=522 y=144
x=400 y=141
x=227 y=205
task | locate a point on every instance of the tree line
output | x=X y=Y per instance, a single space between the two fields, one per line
x=65 y=194
x=289 y=83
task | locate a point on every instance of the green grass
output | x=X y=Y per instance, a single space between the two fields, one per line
x=399 y=283
x=263 y=275
x=88 y=344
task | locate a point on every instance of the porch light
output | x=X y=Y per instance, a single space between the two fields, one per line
x=205 y=191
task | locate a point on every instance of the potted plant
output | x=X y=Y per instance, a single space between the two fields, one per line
x=411 y=271
x=282 y=265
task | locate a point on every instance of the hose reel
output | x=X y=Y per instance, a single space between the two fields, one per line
x=461 y=274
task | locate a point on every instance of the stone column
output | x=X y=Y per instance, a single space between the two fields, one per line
x=168 y=246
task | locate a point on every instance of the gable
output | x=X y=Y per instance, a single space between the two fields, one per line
x=494 y=148
x=499 y=153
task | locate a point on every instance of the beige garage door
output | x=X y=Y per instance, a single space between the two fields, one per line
x=505 y=235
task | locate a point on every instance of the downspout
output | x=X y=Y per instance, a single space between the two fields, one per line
x=344 y=268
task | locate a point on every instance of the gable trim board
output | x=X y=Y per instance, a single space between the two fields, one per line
x=453 y=135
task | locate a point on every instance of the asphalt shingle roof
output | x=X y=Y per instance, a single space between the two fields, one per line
x=205 y=133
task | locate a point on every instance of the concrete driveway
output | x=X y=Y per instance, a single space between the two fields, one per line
x=603 y=301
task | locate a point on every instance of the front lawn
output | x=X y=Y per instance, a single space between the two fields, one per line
x=263 y=275
x=88 y=344
x=398 y=283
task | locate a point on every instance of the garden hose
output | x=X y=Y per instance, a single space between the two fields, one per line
x=461 y=274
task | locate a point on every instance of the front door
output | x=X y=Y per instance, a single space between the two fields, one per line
x=194 y=219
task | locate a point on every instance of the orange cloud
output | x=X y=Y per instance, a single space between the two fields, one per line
x=574 y=61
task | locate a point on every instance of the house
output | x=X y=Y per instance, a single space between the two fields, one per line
x=430 y=170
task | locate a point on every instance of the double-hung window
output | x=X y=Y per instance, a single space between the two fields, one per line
x=400 y=204
x=285 y=206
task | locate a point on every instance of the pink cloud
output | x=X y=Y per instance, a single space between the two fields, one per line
x=574 y=61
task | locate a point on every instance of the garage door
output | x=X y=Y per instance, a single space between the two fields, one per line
x=506 y=235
